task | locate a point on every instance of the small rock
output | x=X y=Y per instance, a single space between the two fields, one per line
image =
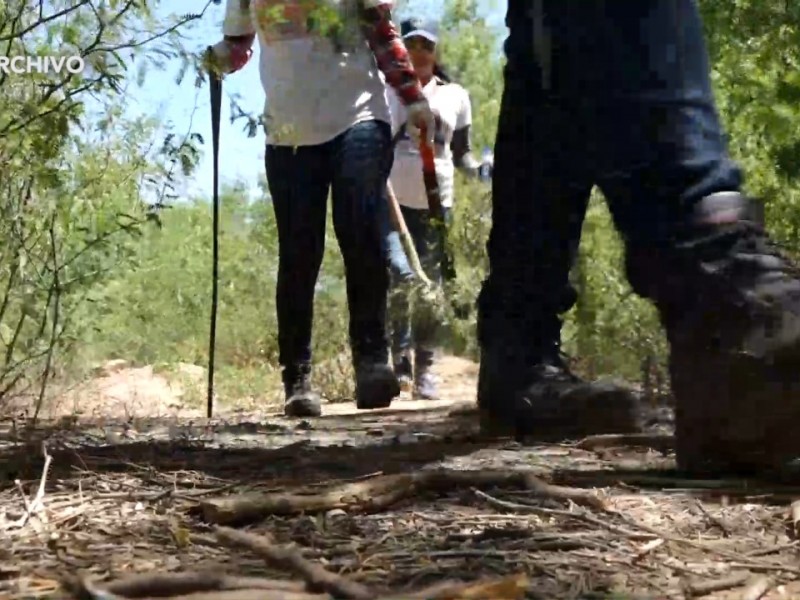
x=335 y=513
x=194 y=372
x=112 y=437
x=109 y=367
x=405 y=438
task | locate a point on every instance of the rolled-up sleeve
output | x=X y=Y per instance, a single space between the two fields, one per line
x=390 y=52
x=238 y=20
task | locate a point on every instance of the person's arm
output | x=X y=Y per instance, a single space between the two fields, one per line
x=461 y=144
x=392 y=59
x=389 y=51
x=237 y=21
x=236 y=47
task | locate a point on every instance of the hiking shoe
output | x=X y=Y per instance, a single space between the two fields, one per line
x=402 y=370
x=730 y=303
x=376 y=385
x=424 y=381
x=545 y=399
x=301 y=400
x=425 y=385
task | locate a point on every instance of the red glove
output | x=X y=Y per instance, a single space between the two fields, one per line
x=232 y=53
x=240 y=52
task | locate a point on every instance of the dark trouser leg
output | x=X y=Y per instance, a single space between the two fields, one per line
x=429 y=247
x=423 y=322
x=399 y=306
x=539 y=197
x=298 y=183
x=730 y=303
x=361 y=162
x=545 y=165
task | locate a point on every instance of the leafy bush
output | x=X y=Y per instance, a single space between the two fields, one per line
x=89 y=270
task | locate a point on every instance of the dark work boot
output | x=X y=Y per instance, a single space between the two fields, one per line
x=730 y=303
x=301 y=400
x=523 y=394
x=376 y=384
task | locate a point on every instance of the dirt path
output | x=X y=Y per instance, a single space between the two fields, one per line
x=140 y=495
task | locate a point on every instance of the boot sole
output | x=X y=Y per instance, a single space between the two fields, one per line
x=565 y=417
x=378 y=394
x=303 y=407
x=737 y=415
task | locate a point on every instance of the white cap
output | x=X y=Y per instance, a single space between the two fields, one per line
x=423 y=34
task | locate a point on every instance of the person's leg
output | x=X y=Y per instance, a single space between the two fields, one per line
x=401 y=280
x=540 y=190
x=298 y=181
x=428 y=243
x=361 y=161
x=729 y=302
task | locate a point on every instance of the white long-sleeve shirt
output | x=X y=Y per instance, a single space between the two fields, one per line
x=452 y=104
x=316 y=86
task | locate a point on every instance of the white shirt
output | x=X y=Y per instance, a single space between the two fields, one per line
x=314 y=91
x=451 y=103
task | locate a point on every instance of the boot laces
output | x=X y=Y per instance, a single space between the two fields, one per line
x=554 y=366
x=753 y=267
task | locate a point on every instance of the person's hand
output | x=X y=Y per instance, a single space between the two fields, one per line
x=228 y=56
x=485 y=170
x=421 y=119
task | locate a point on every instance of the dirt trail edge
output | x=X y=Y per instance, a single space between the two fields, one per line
x=401 y=503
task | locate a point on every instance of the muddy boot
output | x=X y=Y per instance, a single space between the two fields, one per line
x=376 y=383
x=424 y=381
x=402 y=370
x=522 y=394
x=730 y=303
x=301 y=400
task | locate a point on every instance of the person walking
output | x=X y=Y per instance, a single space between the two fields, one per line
x=452 y=149
x=618 y=94
x=327 y=125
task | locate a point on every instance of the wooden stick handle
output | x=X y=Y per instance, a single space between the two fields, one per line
x=405 y=236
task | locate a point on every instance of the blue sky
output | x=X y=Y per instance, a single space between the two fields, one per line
x=187 y=108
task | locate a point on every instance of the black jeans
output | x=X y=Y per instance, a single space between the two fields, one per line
x=621 y=99
x=354 y=167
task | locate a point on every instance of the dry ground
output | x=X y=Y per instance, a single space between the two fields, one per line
x=390 y=502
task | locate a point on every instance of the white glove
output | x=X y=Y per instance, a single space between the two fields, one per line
x=421 y=116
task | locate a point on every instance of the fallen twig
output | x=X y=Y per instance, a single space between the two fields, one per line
x=757 y=589
x=380 y=493
x=795 y=516
x=661 y=442
x=317 y=578
x=257 y=594
x=82 y=589
x=37 y=500
x=527 y=508
x=176 y=584
x=712 y=519
x=667 y=482
x=507 y=588
x=35 y=505
x=741 y=559
x=703 y=588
